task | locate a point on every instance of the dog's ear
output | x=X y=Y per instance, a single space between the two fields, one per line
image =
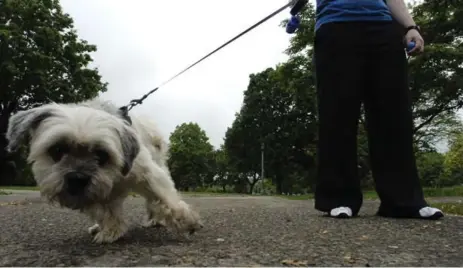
x=22 y=123
x=130 y=149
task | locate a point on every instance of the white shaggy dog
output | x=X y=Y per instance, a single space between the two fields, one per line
x=86 y=157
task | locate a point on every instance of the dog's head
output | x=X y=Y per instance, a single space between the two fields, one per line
x=77 y=153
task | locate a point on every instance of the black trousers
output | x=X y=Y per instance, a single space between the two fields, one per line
x=365 y=62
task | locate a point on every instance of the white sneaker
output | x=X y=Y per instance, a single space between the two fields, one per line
x=431 y=213
x=341 y=212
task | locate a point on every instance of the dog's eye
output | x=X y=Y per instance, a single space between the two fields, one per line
x=102 y=156
x=57 y=151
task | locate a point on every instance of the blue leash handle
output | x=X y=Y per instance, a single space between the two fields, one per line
x=410 y=46
x=294 y=22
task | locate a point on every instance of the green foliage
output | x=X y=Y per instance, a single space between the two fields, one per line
x=224 y=170
x=430 y=168
x=442 y=127
x=191 y=157
x=268 y=187
x=41 y=60
x=4 y=192
x=279 y=112
x=453 y=162
x=436 y=76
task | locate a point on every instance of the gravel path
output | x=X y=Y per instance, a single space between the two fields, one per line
x=240 y=231
x=17 y=195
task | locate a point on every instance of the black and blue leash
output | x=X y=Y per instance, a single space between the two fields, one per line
x=291 y=27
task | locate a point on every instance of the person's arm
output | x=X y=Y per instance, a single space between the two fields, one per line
x=400 y=12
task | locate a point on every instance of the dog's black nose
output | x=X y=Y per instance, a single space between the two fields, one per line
x=76 y=182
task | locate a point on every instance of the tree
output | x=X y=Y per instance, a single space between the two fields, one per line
x=443 y=127
x=41 y=60
x=191 y=157
x=224 y=170
x=242 y=159
x=437 y=75
x=453 y=162
x=279 y=111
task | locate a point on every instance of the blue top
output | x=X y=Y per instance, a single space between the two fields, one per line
x=351 y=10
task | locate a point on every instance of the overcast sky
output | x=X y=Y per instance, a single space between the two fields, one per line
x=144 y=43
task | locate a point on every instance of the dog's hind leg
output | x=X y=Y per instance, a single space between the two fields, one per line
x=110 y=222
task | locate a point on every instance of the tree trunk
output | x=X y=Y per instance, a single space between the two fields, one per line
x=240 y=186
x=5 y=112
x=279 y=181
x=251 y=186
x=6 y=109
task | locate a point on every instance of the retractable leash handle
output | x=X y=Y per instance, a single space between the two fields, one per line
x=410 y=46
x=294 y=21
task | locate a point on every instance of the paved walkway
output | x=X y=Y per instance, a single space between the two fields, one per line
x=240 y=231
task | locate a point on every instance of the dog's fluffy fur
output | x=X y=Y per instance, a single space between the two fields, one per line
x=85 y=156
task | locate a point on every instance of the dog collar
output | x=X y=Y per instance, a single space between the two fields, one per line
x=124 y=112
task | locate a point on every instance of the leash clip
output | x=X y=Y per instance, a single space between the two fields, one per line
x=124 y=113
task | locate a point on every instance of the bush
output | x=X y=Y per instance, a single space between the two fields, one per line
x=213 y=189
x=430 y=168
x=265 y=188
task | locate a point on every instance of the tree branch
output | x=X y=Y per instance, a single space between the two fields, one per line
x=427 y=121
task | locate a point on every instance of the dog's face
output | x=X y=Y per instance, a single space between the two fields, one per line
x=77 y=153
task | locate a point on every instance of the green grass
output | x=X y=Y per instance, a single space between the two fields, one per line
x=297 y=197
x=372 y=195
x=4 y=192
x=368 y=195
x=446 y=191
x=31 y=188
x=450 y=208
x=35 y=188
x=212 y=194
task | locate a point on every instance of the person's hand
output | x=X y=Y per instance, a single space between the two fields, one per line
x=415 y=36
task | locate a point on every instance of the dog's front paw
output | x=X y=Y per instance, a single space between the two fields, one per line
x=109 y=235
x=153 y=223
x=186 y=220
x=93 y=230
x=194 y=226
